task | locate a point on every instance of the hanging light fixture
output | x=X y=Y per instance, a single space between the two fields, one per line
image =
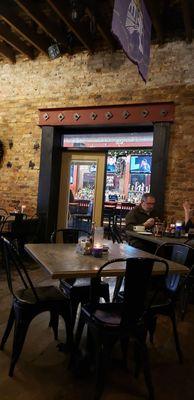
x=54 y=51
x=74 y=11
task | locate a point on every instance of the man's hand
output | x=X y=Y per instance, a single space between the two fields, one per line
x=187 y=207
x=149 y=223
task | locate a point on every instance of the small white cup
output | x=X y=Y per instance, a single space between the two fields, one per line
x=139 y=228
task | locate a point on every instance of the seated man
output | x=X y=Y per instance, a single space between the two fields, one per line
x=143 y=214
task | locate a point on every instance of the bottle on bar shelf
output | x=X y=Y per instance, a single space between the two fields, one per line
x=92 y=234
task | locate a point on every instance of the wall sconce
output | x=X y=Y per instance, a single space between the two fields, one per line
x=77 y=9
x=10 y=142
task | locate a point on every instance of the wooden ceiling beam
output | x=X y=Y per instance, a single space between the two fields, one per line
x=62 y=10
x=8 y=52
x=186 y=10
x=38 y=41
x=47 y=25
x=101 y=25
x=9 y=37
x=153 y=10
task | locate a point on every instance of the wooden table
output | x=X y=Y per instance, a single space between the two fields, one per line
x=154 y=239
x=62 y=261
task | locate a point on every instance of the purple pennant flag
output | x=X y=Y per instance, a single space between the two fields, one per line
x=131 y=24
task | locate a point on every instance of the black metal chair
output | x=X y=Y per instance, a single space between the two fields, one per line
x=28 y=302
x=77 y=290
x=109 y=214
x=83 y=218
x=111 y=322
x=24 y=230
x=2 y=219
x=125 y=207
x=3 y=212
x=175 y=288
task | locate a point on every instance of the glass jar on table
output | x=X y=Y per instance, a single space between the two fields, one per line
x=158 y=229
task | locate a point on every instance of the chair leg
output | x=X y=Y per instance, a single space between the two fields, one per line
x=79 y=331
x=137 y=360
x=66 y=315
x=74 y=307
x=21 y=328
x=106 y=296
x=9 y=327
x=119 y=281
x=152 y=327
x=176 y=337
x=54 y=323
x=147 y=371
x=103 y=351
x=184 y=300
x=124 y=348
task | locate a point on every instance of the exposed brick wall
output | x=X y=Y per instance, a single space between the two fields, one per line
x=102 y=78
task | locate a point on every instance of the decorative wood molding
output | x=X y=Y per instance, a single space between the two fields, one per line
x=121 y=115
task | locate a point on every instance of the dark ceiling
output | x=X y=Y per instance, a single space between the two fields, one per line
x=29 y=27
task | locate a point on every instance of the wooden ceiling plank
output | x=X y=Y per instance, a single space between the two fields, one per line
x=63 y=12
x=40 y=43
x=47 y=25
x=14 y=41
x=153 y=10
x=101 y=26
x=186 y=9
x=8 y=52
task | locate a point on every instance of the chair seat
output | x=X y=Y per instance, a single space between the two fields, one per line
x=77 y=283
x=81 y=289
x=81 y=282
x=45 y=293
x=108 y=314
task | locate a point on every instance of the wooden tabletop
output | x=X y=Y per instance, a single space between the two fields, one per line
x=149 y=237
x=62 y=261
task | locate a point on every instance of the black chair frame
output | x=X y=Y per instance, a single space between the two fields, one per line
x=78 y=290
x=109 y=322
x=28 y=302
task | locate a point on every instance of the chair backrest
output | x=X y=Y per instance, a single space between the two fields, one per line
x=2 y=219
x=6 y=223
x=90 y=209
x=137 y=283
x=180 y=253
x=68 y=235
x=116 y=234
x=109 y=209
x=127 y=206
x=12 y=259
x=26 y=229
x=190 y=242
x=3 y=212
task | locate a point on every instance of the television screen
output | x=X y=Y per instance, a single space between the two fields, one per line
x=110 y=168
x=141 y=164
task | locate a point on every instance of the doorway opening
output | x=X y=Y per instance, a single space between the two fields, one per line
x=126 y=175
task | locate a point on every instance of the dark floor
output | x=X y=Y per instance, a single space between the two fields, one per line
x=42 y=371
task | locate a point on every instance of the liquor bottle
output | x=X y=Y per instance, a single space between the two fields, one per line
x=92 y=234
x=178 y=228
